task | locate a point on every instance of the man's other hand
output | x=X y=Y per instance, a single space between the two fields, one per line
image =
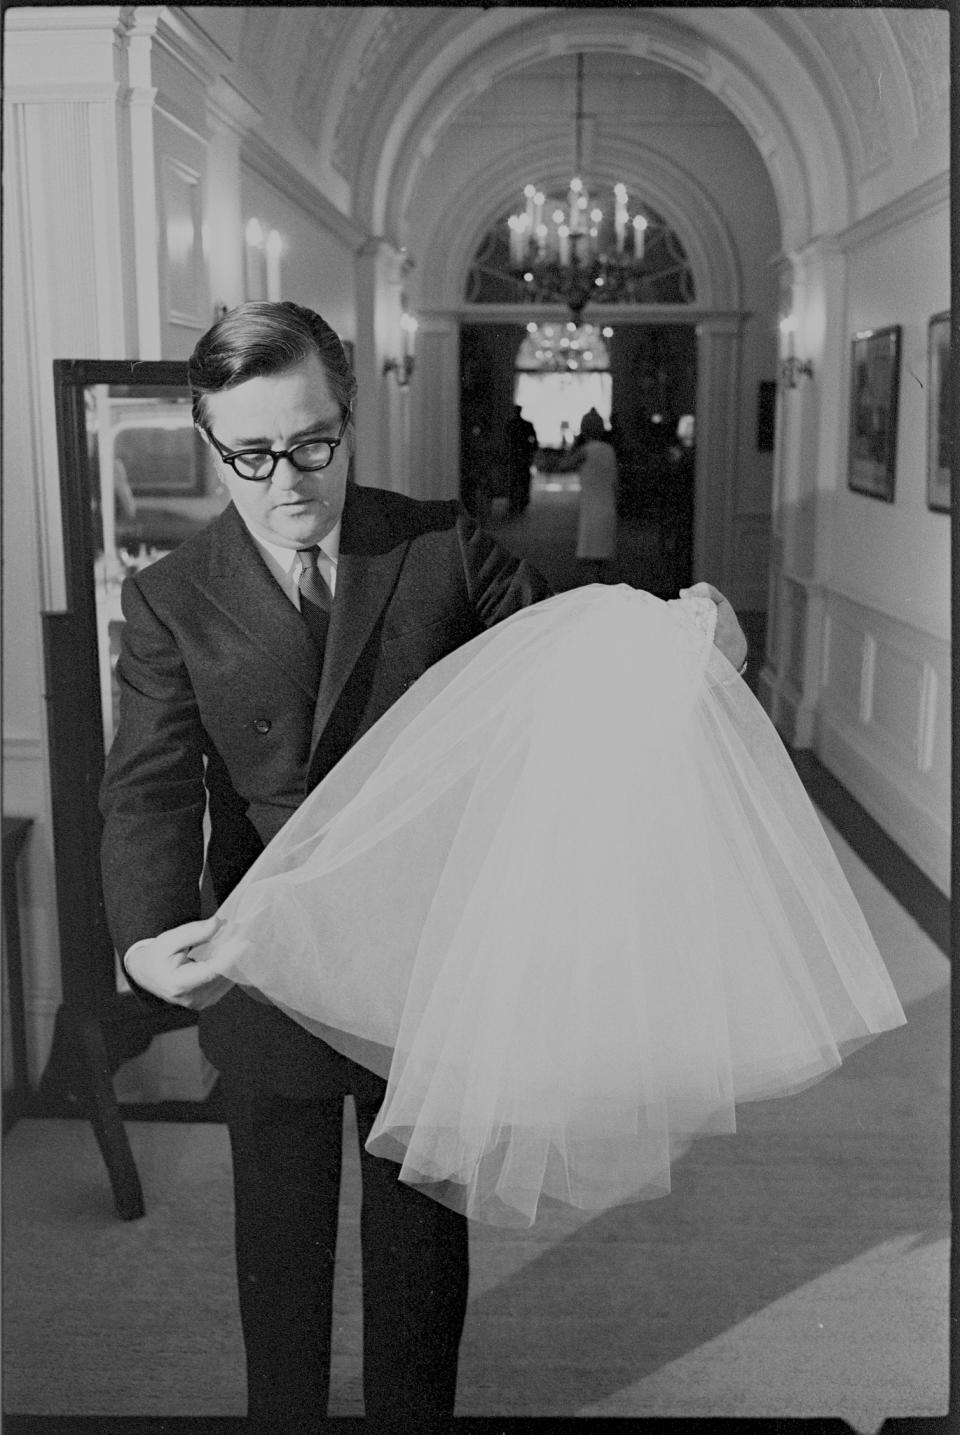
x=729 y=636
x=163 y=965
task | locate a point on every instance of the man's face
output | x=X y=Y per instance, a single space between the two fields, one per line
x=292 y=509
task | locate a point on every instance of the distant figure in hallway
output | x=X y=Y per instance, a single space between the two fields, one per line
x=521 y=439
x=594 y=458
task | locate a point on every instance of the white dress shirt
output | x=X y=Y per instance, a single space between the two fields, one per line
x=286 y=566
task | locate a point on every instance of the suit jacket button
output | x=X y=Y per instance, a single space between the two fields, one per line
x=262 y=725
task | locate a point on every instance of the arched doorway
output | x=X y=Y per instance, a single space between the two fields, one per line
x=644 y=387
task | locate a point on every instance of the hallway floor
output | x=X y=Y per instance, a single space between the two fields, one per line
x=546 y=534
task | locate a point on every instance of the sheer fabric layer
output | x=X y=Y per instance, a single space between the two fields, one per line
x=571 y=900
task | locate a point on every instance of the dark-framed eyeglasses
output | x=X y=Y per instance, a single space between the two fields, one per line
x=259 y=464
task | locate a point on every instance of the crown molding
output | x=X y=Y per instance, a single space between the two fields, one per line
x=286 y=179
x=25 y=18
x=933 y=194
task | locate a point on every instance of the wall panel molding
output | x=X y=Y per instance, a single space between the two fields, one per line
x=181 y=247
x=883 y=725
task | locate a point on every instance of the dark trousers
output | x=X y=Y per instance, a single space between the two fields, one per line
x=286 y=1164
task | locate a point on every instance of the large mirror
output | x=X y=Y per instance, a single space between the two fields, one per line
x=135 y=480
x=150 y=483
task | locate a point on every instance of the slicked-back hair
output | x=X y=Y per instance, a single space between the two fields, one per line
x=261 y=338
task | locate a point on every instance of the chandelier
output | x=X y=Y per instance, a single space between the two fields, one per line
x=572 y=250
x=564 y=348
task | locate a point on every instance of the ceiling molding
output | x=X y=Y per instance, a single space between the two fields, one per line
x=271 y=166
x=798 y=155
x=928 y=197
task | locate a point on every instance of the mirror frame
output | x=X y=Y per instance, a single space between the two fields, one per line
x=98 y=1026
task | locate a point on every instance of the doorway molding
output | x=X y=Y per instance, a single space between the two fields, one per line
x=718 y=315
x=719 y=341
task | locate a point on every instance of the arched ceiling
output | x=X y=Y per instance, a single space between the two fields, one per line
x=831 y=98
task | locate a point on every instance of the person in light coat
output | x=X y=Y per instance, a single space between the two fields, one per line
x=596 y=463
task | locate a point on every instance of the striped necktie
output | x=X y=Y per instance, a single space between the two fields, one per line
x=315 y=597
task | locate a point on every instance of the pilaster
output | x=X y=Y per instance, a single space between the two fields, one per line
x=809 y=438
x=435 y=387
x=718 y=402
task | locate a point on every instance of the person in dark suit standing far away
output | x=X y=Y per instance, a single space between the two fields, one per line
x=254 y=655
x=521 y=439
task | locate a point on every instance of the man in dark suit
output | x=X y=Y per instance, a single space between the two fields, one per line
x=521 y=441
x=254 y=656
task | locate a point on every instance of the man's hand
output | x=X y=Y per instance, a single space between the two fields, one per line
x=729 y=637
x=164 y=966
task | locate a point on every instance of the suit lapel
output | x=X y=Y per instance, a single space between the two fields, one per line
x=369 y=562
x=245 y=591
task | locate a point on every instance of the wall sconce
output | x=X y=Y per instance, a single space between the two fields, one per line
x=792 y=369
x=402 y=368
x=254 y=260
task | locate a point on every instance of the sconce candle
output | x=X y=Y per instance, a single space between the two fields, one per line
x=274 y=249
x=639 y=226
x=254 y=260
x=408 y=329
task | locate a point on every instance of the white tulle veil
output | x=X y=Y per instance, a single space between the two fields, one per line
x=570 y=899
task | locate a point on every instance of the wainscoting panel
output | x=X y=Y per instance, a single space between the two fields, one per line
x=181 y=249
x=796 y=605
x=843 y=664
x=883 y=725
x=896 y=700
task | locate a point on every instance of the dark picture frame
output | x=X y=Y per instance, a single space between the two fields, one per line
x=874 y=399
x=938 y=414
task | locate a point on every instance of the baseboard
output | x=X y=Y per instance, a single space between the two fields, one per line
x=888 y=862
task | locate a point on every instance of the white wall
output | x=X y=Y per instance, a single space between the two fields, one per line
x=897 y=556
x=124 y=205
x=883 y=723
x=858 y=658
x=66 y=273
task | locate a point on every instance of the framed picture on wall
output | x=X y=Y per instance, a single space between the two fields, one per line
x=938 y=415
x=874 y=393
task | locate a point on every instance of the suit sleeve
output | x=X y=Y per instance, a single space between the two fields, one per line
x=498 y=582
x=153 y=797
